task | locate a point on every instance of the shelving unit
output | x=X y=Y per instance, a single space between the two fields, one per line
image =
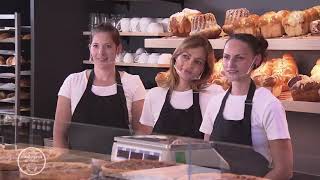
x=10 y=75
x=284 y=43
x=309 y=43
x=165 y=34
x=135 y=64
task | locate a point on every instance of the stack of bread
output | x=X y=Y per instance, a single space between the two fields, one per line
x=205 y=25
x=180 y=22
x=276 y=73
x=218 y=75
x=270 y=24
x=232 y=16
x=305 y=88
x=298 y=22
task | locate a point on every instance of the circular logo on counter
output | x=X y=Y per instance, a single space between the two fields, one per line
x=31 y=161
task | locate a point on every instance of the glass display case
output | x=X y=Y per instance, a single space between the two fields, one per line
x=97 y=152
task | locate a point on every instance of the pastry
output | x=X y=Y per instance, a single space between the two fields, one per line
x=296 y=23
x=2 y=60
x=180 y=23
x=263 y=72
x=2 y=95
x=62 y=171
x=304 y=88
x=315 y=72
x=218 y=75
x=8 y=158
x=248 y=25
x=284 y=69
x=26 y=37
x=161 y=78
x=12 y=60
x=315 y=27
x=270 y=24
x=232 y=16
x=115 y=168
x=205 y=25
x=4 y=36
x=220 y=176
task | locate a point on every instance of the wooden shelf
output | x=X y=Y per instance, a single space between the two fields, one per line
x=165 y=34
x=283 y=43
x=301 y=106
x=136 y=64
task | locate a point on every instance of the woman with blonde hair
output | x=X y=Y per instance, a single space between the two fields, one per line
x=176 y=107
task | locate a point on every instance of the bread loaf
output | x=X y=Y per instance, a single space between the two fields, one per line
x=297 y=23
x=232 y=16
x=270 y=24
x=180 y=23
x=248 y=25
x=205 y=25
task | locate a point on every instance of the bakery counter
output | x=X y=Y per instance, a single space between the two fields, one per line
x=307 y=42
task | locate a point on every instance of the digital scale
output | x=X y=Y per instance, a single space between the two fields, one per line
x=167 y=148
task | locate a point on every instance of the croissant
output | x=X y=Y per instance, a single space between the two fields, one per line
x=218 y=75
x=284 y=69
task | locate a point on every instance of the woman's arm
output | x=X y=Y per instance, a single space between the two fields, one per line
x=206 y=137
x=282 y=158
x=136 y=111
x=61 y=123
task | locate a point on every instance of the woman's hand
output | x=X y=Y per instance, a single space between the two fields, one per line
x=137 y=127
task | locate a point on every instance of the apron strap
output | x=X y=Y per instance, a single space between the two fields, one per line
x=122 y=98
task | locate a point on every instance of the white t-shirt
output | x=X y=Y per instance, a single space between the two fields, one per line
x=155 y=99
x=268 y=118
x=75 y=84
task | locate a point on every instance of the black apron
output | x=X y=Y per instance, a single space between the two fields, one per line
x=99 y=112
x=180 y=122
x=242 y=159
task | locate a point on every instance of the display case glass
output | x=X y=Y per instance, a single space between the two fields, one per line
x=98 y=152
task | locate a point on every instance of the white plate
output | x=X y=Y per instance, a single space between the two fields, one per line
x=7 y=86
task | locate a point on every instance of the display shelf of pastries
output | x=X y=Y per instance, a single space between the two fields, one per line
x=298 y=106
x=135 y=64
x=164 y=34
x=283 y=43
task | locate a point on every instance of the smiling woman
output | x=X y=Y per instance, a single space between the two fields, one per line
x=102 y=96
x=249 y=115
x=183 y=94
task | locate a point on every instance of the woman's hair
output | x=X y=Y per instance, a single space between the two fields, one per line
x=170 y=79
x=107 y=28
x=258 y=45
